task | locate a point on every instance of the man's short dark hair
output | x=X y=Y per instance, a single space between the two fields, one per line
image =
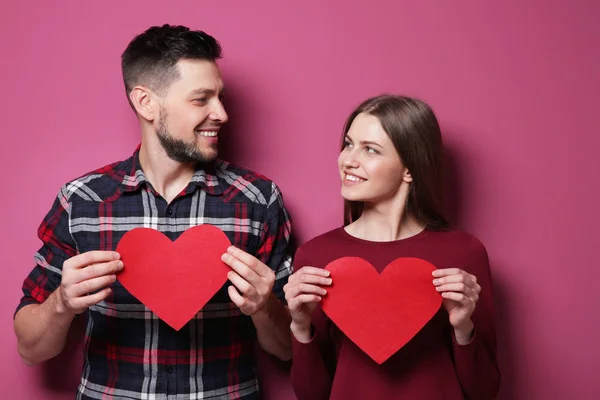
x=151 y=58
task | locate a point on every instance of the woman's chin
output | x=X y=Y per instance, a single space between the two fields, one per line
x=350 y=196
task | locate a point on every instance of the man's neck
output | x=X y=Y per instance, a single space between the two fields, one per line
x=167 y=177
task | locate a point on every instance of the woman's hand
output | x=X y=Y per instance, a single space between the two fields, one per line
x=460 y=291
x=303 y=292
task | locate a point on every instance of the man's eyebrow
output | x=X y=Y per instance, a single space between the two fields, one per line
x=205 y=92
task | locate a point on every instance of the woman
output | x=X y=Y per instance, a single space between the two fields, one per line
x=390 y=166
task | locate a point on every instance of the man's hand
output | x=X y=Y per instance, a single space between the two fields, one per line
x=253 y=279
x=85 y=279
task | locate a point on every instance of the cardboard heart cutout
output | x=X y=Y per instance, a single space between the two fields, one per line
x=381 y=313
x=174 y=279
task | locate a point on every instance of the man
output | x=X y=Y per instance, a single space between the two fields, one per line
x=172 y=182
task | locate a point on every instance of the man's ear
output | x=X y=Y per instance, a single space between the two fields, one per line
x=144 y=102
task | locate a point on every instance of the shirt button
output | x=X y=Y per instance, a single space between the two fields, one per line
x=169 y=211
x=170 y=370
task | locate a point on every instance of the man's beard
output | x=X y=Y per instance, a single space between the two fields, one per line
x=180 y=150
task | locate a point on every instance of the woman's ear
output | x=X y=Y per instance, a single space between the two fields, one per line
x=407 y=176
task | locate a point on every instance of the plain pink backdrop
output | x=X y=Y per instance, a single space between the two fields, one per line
x=514 y=83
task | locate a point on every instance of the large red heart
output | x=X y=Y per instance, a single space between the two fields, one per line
x=381 y=313
x=174 y=279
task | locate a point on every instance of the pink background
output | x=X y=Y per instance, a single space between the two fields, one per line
x=514 y=84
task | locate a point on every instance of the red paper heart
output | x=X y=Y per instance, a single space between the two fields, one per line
x=174 y=279
x=381 y=313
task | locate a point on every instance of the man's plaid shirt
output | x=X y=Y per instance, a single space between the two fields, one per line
x=129 y=352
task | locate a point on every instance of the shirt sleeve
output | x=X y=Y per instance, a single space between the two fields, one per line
x=314 y=363
x=475 y=362
x=57 y=246
x=274 y=250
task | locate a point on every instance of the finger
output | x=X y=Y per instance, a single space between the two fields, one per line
x=459 y=297
x=91 y=257
x=453 y=287
x=97 y=270
x=241 y=269
x=305 y=288
x=446 y=271
x=240 y=283
x=92 y=299
x=456 y=278
x=235 y=297
x=309 y=278
x=314 y=271
x=249 y=260
x=468 y=292
x=92 y=285
x=298 y=301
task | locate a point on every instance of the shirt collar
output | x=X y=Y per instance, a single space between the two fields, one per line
x=205 y=177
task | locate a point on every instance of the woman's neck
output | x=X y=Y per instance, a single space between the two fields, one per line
x=384 y=226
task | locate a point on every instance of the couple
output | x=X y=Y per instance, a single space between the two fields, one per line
x=390 y=167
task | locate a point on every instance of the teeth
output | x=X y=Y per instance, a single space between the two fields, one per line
x=354 y=178
x=208 y=133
